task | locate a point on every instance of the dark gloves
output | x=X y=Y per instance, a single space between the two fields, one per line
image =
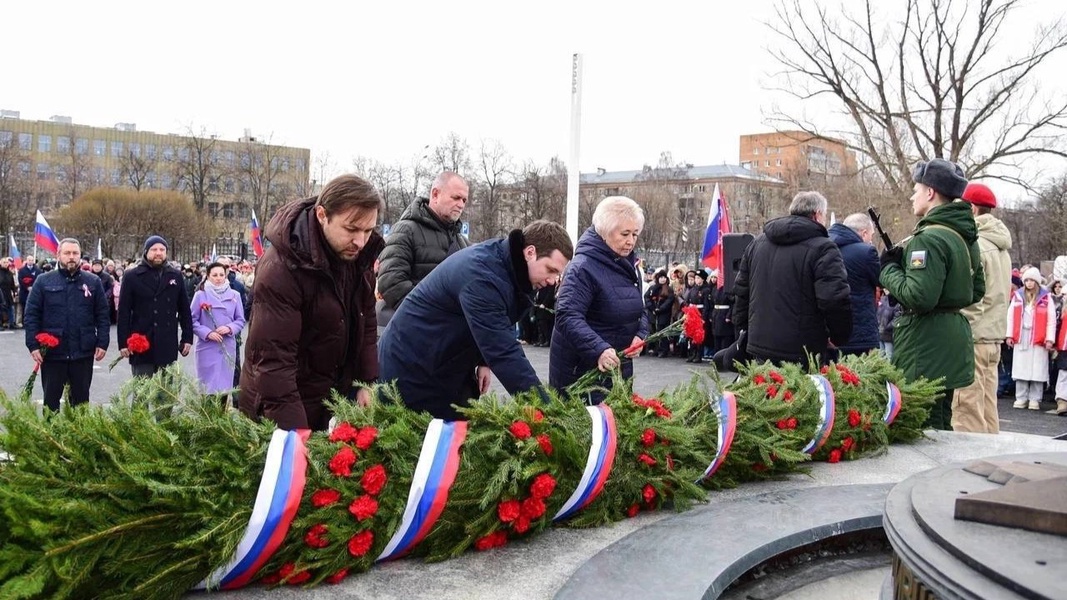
x=891 y=256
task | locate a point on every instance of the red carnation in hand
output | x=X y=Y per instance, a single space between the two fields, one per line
x=533 y=508
x=373 y=479
x=508 y=510
x=497 y=538
x=546 y=444
x=337 y=577
x=759 y=380
x=360 y=544
x=520 y=429
x=648 y=460
x=47 y=340
x=835 y=455
x=316 y=536
x=205 y=307
x=521 y=525
x=363 y=507
x=543 y=485
x=848 y=444
x=648 y=437
x=853 y=417
x=648 y=493
x=325 y=498
x=27 y=281
x=633 y=510
x=341 y=463
x=366 y=437
x=777 y=377
x=344 y=432
x=137 y=343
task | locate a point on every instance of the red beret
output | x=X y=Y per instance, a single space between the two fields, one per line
x=979 y=195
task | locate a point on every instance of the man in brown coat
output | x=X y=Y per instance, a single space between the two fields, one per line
x=315 y=328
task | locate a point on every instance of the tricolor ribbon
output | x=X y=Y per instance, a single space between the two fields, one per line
x=434 y=474
x=726 y=409
x=826 y=414
x=892 y=403
x=280 y=489
x=597 y=466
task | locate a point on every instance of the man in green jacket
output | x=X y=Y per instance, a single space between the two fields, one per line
x=933 y=274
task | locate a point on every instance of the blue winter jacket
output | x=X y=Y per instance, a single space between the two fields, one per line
x=861 y=264
x=460 y=316
x=599 y=307
x=73 y=308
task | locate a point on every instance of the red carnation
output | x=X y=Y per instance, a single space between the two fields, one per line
x=824 y=370
x=538 y=416
x=633 y=510
x=341 y=463
x=47 y=340
x=853 y=417
x=298 y=578
x=648 y=493
x=337 y=577
x=325 y=498
x=520 y=430
x=373 y=479
x=648 y=460
x=316 y=536
x=783 y=424
x=546 y=443
x=788 y=397
x=344 y=432
x=205 y=307
x=791 y=423
x=543 y=485
x=759 y=380
x=508 y=510
x=27 y=281
x=271 y=579
x=648 y=438
x=366 y=437
x=497 y=538
x=521 y=525
x=848 y=444
x=670 y=463
x=363 y=507
x=137 y=343
x=772 y=391
x=835 y=455
x=533 y=508
x=693 y=325
x=360 y=544
x=777 y=377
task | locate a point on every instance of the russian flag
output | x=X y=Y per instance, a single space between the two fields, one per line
x=44 y=237
x=13 y=250
x=257 y=237
x=718 y=225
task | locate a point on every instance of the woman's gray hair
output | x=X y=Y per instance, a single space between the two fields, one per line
x=807 y=204
x=612 y=210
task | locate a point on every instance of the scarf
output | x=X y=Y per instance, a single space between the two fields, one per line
x=219 y=291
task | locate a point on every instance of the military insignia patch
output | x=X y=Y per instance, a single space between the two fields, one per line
x=918 y=259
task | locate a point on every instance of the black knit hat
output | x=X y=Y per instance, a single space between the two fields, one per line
x=945 y=177
x=152 y=241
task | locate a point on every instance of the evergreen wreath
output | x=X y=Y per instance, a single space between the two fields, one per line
x=148 y=496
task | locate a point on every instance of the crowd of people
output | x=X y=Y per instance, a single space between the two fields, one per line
x=943 y=303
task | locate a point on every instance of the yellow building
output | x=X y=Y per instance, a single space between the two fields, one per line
x=789 y=155
x=60 y=160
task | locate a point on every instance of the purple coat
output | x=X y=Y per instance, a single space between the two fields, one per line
x=214 y=366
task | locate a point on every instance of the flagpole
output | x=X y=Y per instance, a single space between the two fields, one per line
x=573 y=174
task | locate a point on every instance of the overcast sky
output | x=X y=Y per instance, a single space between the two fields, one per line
x=386 y=78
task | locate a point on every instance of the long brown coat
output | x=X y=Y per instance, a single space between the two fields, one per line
x=314 y=327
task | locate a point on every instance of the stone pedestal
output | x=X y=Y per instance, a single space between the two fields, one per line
x=938 y=555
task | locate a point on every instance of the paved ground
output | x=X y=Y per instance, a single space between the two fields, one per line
x=652 y=375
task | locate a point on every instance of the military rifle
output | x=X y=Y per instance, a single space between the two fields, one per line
x=878 y=226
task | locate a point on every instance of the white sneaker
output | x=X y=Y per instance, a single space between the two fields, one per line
x=1035 y=405
x=1019 y=404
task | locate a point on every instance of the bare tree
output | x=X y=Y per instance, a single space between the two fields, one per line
x=494 y=168
x=929 y=83
x=387 y=179
x=135 y=170
x=259 y=167
x=198 y=168
x=74 y=176
x=15 y=187
x=453 y=154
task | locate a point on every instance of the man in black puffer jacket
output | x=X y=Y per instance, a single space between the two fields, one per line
x=427 y=233
x=791 y=291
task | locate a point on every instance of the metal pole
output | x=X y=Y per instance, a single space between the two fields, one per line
x=573 y=173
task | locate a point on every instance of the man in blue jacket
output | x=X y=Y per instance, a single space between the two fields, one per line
x=69 y=304
x=853 y=237
x=457 y=327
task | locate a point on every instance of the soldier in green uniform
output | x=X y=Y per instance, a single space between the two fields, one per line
x=933 y=274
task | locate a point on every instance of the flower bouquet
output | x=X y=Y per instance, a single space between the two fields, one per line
x=47 y=342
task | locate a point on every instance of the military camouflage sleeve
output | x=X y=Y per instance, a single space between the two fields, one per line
x=917 y=282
